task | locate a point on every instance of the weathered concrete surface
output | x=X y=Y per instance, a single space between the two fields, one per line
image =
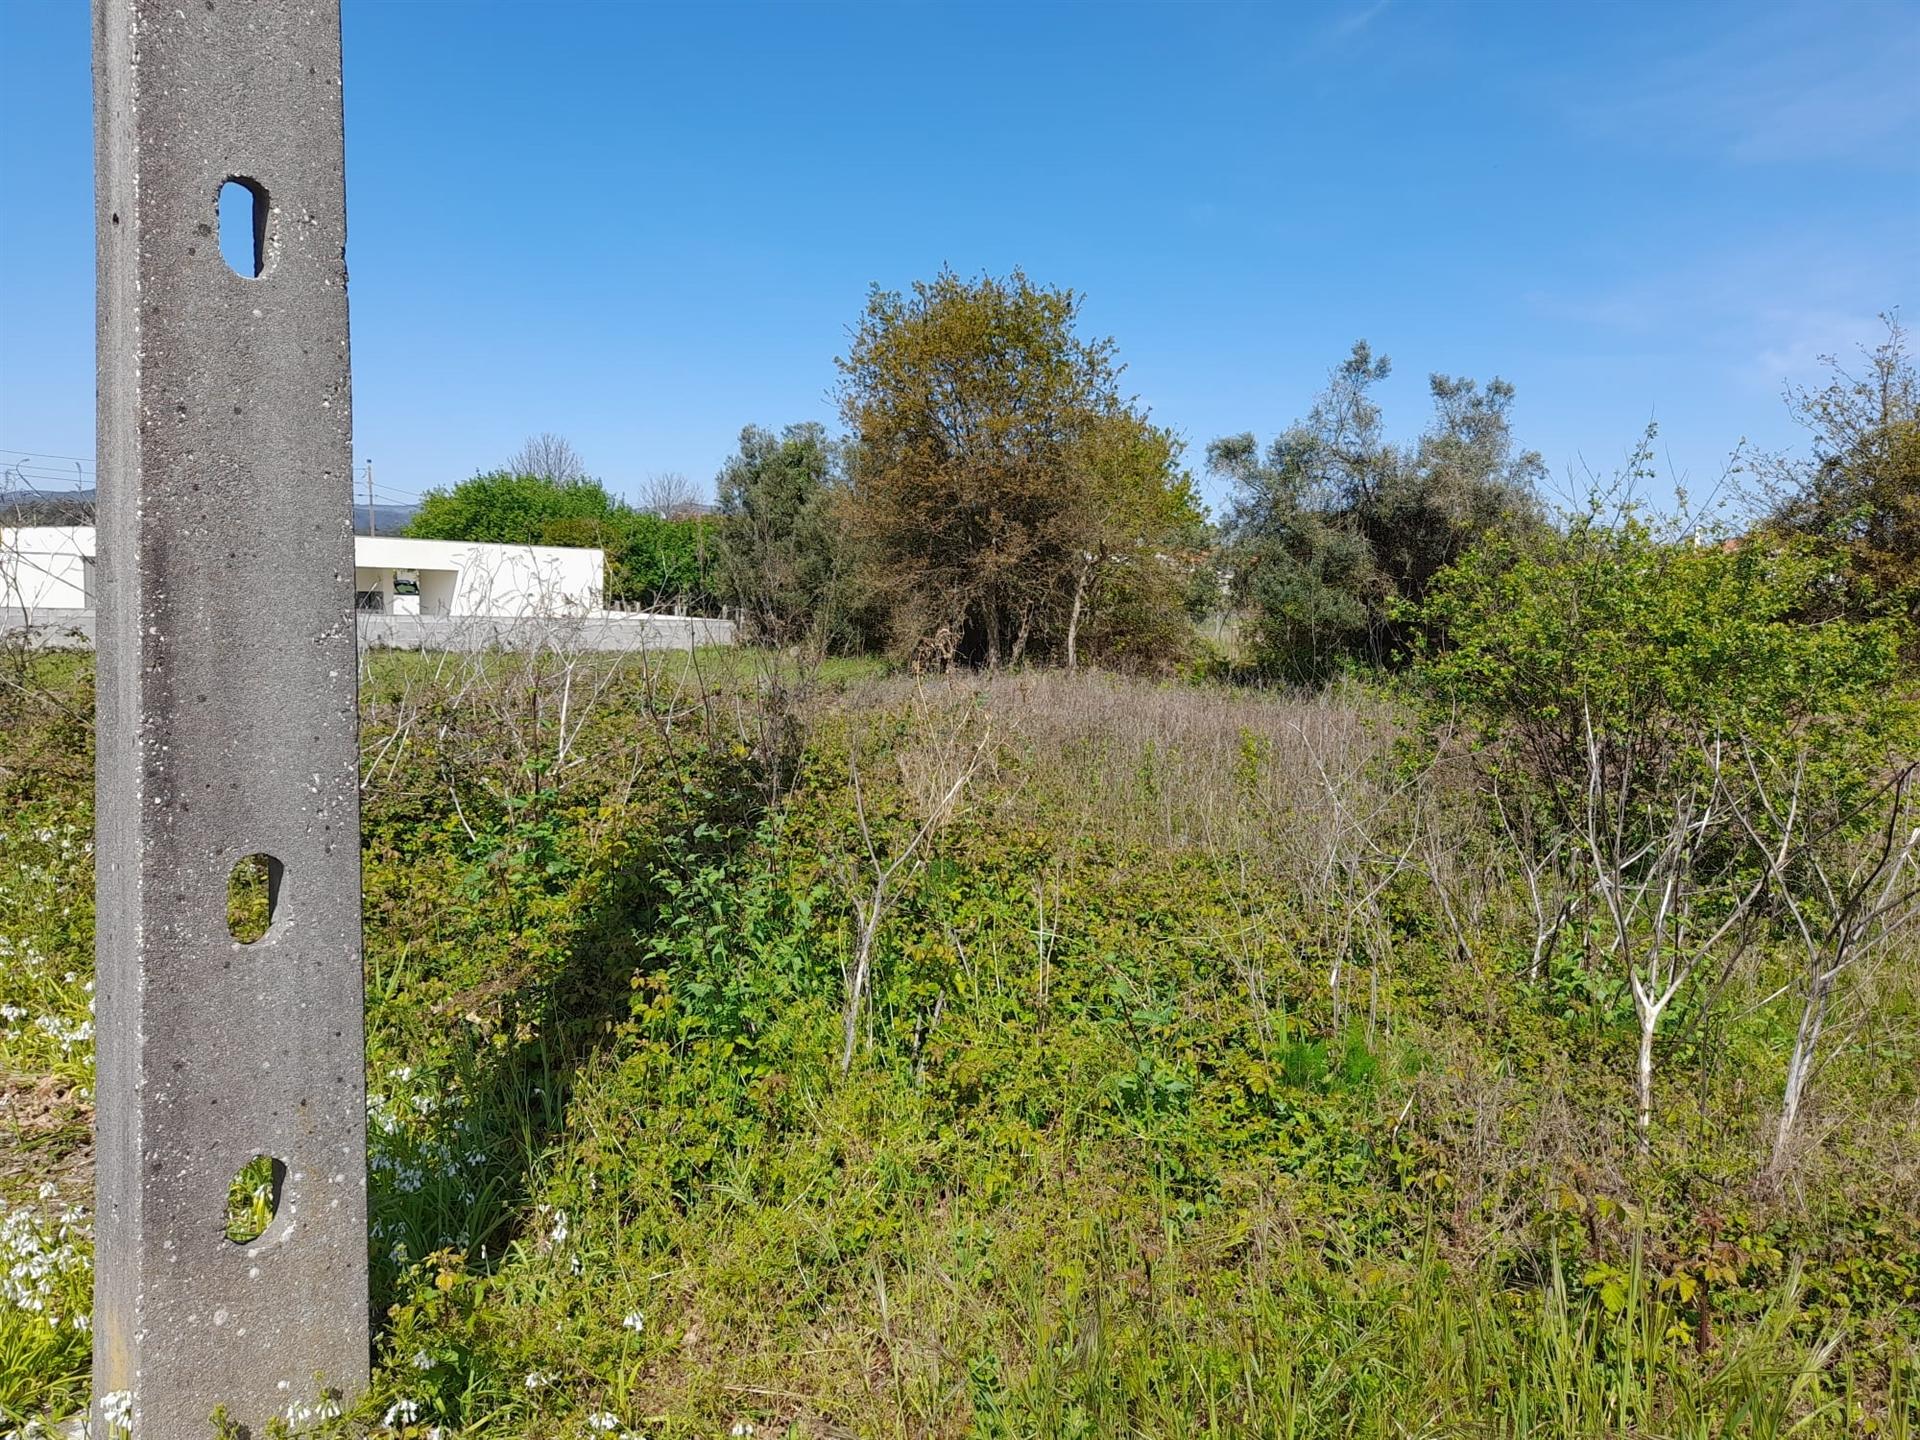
x=226 y=722
x=53 y=629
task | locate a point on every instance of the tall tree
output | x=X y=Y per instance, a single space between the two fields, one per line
x=1300 y=561
x=1139 y=533
x=548 y=456
x=780 y=550
x=507 y=507
x=670 y=495
x=664 y=563
x=1336 y=531
x=972 y=404
x=1463 y=481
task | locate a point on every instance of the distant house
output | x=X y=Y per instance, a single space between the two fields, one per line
x=51 y=567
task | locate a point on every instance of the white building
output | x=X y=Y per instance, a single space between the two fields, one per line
x=458 y=578
x=46 y=567
x=51 y=567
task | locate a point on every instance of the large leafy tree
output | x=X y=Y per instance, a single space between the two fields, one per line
x=505 y=507
x=1139 y=535
x=781 y=553
x=974 y=407
x=1335 y=531
x=1859 y=490
x=664 y=563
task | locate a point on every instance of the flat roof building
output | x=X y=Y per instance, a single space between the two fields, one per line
x=51 y=567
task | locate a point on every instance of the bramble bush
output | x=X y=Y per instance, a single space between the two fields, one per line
x=1112 y=1154
x=1699 y=743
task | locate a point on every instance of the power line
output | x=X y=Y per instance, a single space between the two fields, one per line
x=40 y=485
x=28 y=455
x=28 y=465
x=35 y=467
x=41 y=468
x=33 y=454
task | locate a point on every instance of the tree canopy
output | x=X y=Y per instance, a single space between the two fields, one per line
x=548 y=456
x=1859 y=490
x=782 y=555
x=1618 y=637
x=1334 y=530
x=506 y=507
x=989 y=437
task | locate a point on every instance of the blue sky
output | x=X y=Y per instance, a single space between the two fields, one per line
x=642 y=227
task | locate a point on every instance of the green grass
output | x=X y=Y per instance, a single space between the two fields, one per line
x=1115 y=1155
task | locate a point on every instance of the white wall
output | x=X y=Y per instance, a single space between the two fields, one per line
x=436 y=591
x=462 y=579
x=48 y=566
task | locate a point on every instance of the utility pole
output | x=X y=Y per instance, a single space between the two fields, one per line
x=227 y=728
x=372 y=528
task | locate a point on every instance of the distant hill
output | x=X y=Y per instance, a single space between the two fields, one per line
x=387 y=519
x=46 y=507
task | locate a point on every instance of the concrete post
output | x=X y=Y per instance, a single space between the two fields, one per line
x=226 y=722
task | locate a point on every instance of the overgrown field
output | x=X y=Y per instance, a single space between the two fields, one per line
x=1205 y=1075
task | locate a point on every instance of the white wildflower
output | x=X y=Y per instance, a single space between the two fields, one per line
x=634 y=1321
x=41 y=1259
x=401 y=1412
x=306 y=1412
x=116 y=1408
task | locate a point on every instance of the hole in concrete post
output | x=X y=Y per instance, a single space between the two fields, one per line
x=253 y=897
x=253 y=1199
x=242 y=210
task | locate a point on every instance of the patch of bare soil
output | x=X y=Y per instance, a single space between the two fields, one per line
x=46 y=1134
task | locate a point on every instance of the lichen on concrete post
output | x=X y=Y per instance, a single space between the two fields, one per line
x=227 y=723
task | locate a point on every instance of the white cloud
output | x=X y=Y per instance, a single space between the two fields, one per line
x=1765 y=314
x=1811 y=83
x=1354 y=21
